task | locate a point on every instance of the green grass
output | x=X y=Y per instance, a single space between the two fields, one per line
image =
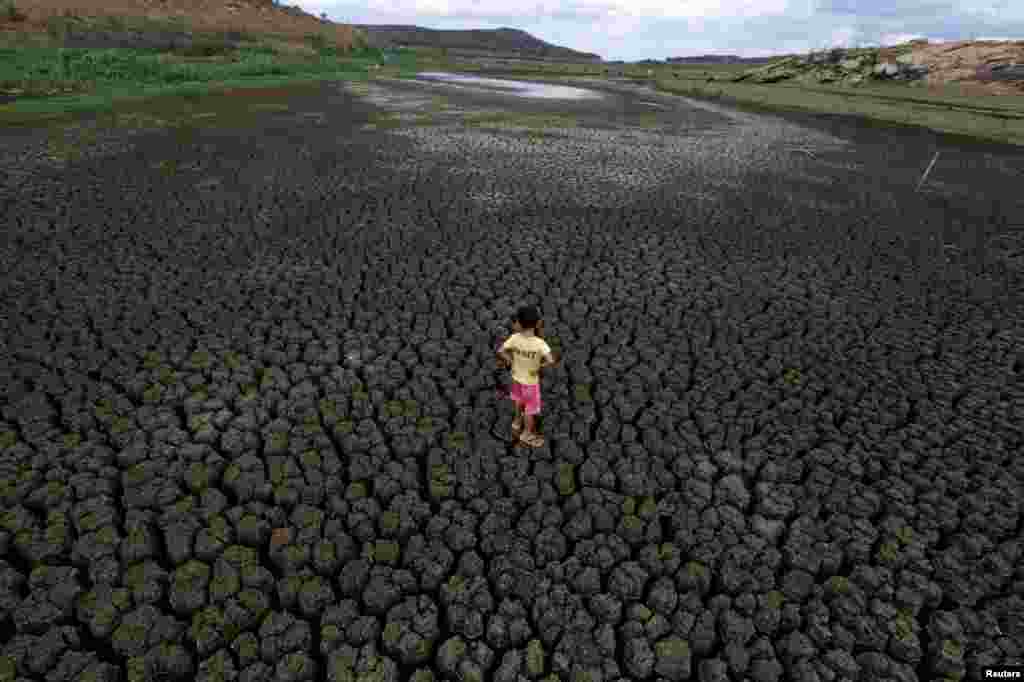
x=532 y=121
x=995 y=118
x=52 y=83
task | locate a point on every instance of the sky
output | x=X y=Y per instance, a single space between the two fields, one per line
x=632 y=30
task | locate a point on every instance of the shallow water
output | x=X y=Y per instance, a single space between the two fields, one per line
x=517 y=88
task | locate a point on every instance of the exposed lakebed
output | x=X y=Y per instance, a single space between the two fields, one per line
x=783 y=443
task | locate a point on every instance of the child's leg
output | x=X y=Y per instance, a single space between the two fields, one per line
x=517 y=419
x=530 y=436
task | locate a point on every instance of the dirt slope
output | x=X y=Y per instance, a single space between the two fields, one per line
x=251 y=16
x=973 y=64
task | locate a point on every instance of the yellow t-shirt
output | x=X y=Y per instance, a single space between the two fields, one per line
x=527 y=352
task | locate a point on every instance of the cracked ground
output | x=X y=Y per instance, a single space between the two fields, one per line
x=249 y=425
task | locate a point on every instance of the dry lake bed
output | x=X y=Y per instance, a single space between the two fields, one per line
x=249 y=427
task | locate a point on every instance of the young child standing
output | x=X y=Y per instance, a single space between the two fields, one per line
x=526 y=353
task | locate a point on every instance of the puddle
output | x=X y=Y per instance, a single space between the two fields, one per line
x=517 y=88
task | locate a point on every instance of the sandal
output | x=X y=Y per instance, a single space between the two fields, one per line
x=517 y=427
x=531 y=440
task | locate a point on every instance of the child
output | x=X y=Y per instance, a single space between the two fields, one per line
x=526 y=352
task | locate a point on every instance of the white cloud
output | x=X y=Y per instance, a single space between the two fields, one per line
x=890 y=39
x=842 y=37
x=639 y=29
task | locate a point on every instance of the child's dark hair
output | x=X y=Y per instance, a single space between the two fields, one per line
x=527 y=317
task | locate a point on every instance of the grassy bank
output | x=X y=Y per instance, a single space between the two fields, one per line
x=41 y=81
x=999 y=119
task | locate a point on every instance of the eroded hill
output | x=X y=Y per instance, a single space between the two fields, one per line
x=490 y=42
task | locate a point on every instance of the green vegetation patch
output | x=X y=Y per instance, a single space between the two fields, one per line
x=392 y=633
x=153 y=393
x=535 y=658
x=905 y=535
x=533 y=121
x=566 y=479
x=838 y=584
x=390 y=520
x=121 y=424
x=357 y=490
x=425 y=425
x=440 y=481
x=393 y=408
x=695 y=569
x=672 y=648
x=582 y=393
x=328 y=408
x=311 y=424
x=903 y=628
x=775 y=599
x=457 y=440
x=888 y=552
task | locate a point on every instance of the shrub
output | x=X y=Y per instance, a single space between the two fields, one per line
x=57 y=27
x=208 y=48
x=116 y=23
x=317 y=41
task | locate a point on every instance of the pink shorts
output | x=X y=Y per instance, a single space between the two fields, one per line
x=527 y=395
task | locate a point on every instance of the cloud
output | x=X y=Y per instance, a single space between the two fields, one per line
x=640 y=29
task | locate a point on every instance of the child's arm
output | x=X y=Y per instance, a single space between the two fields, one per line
x=504 y=358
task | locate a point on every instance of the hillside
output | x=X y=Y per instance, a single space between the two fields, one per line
x=125 y=23
x=501 y=41
x=978 y=67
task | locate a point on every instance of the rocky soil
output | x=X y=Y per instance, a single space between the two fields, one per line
x=984 y=68
x=249 y=431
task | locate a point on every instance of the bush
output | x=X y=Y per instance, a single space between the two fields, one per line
x=317 y=41
x=115 y=23
x=58 y=27
x=210 y=47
